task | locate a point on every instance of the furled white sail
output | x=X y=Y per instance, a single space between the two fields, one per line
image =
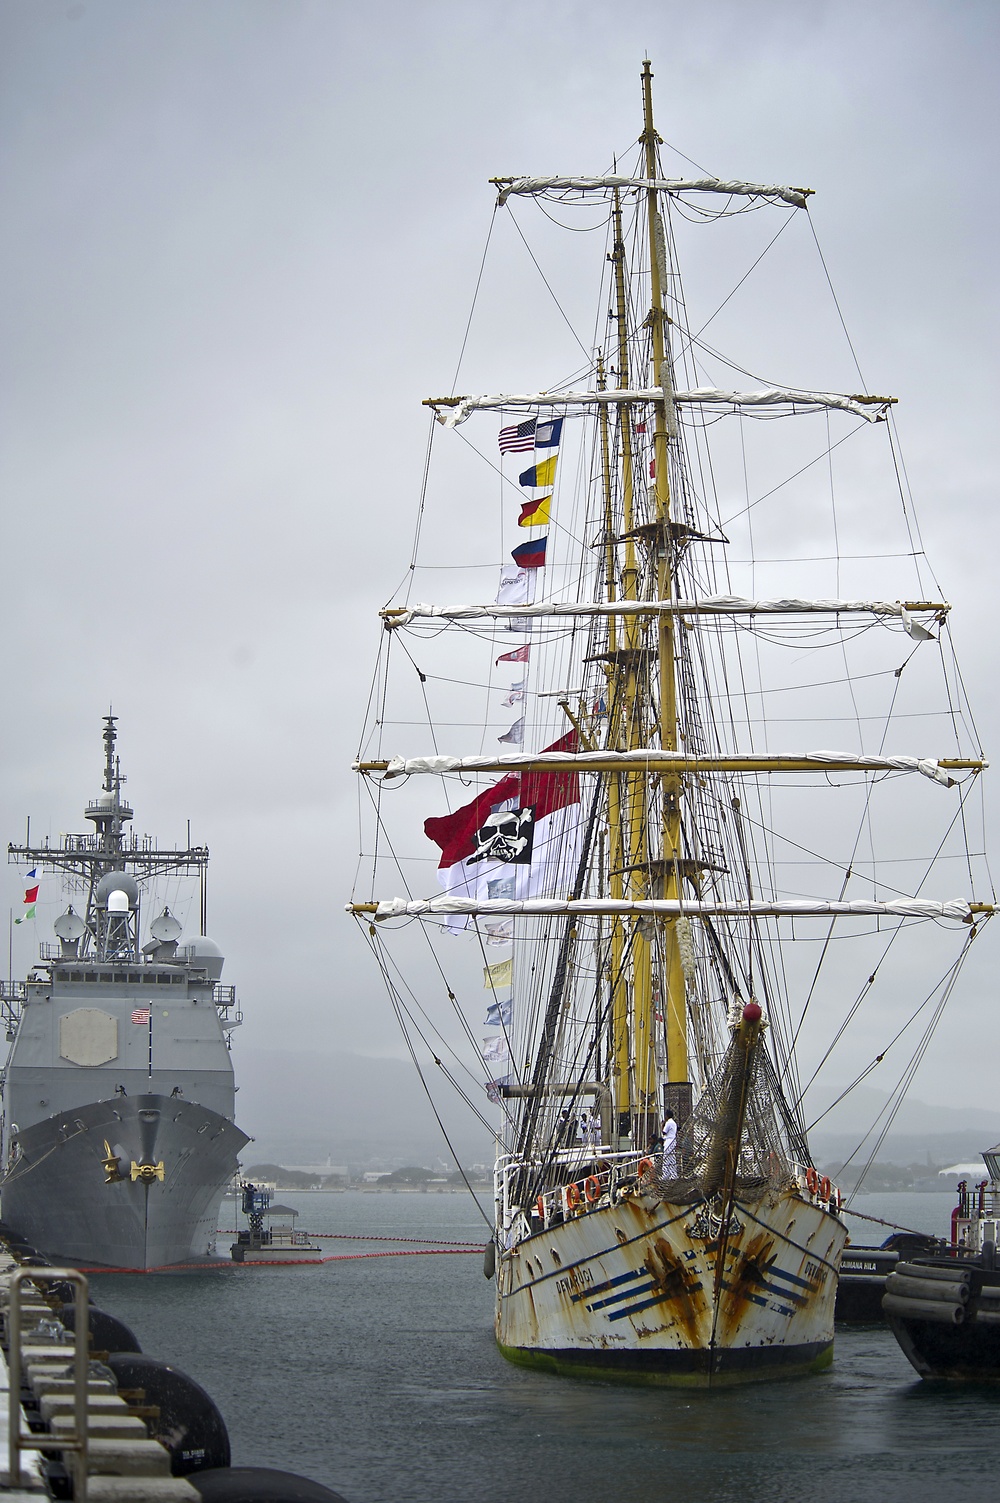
x=452 y=411
x=922 y=908
x=711 y=605
x=538 y=186
x=653 y=759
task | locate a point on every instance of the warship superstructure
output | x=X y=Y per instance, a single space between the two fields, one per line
x=118 y=1093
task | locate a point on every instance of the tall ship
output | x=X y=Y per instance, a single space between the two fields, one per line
x=118 y=1093
x=692 y=926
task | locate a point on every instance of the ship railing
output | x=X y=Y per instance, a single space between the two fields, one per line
x=583 y=1178
x=12 y=998
x=224 y=996
x=108 y=811
x=579 y=1179
x=283 y=1237
x=982 y=1199
x=815 y=1186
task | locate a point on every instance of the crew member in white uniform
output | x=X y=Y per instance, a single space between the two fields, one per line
x=669 y=1169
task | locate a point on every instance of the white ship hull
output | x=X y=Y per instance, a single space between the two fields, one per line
x=635 y=1292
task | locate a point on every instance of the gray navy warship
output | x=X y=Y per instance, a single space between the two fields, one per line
x=118 y=1094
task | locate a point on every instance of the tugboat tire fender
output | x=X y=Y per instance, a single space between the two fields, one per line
x=938 y=1312
x=950 y=1294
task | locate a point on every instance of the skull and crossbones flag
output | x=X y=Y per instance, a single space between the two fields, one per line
x=508 y=835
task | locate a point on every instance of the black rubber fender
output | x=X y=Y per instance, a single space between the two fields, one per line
x=107 y=1332
x=190 y=1425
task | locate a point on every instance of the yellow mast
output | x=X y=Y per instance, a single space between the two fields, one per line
x=627 y=679
x=620 y=1054
x=675 y=1001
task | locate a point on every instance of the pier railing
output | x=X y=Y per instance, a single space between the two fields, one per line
x=21 y=1439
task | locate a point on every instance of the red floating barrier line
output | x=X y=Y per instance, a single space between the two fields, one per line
x=407 y=1252
x=231 y=1231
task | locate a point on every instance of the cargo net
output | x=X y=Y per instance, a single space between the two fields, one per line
x=708 y=1140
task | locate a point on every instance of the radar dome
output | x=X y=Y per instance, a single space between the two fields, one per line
x=69 y=925
x=204 y=952
x=165 y=928
x=113 y=883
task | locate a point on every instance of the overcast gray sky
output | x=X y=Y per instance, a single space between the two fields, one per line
x=238 y=244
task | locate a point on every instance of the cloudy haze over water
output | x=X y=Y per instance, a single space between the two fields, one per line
x=238 y=247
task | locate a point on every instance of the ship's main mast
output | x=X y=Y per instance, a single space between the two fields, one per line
x=85 y=859
x=665 y=427
x=651 y=874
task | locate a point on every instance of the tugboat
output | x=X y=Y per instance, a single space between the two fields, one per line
x=945 y=1311
x=864 y=1270
x=118 y=1093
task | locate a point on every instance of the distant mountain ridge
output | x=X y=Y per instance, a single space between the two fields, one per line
x=305 y=1106
x=920 y=1132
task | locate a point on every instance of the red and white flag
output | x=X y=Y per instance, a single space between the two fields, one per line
x=518 y=839
x=519 y=655
x=140 y=1015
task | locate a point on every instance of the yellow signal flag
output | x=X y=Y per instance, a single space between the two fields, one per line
x=499 y=975
x=535 y=513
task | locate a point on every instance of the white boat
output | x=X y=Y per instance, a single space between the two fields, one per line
x=670 y=874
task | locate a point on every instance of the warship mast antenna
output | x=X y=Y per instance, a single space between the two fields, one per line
x=110 y=737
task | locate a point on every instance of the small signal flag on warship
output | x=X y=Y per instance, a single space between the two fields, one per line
x=140 y=1015
x=30 y=896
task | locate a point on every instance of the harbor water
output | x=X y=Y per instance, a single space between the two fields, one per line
x=378 y=1376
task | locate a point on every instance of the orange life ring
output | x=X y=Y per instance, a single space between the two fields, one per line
x=592 y=1187
x=572 y=1196
x=646 y=1166
x=812 y=1180
x=540 y=1207
x=824 y=1188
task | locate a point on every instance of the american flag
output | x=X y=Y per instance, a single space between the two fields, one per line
x=519 y=438
x=140 y=1015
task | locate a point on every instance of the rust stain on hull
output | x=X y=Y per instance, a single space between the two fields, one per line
x=681 y=1291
